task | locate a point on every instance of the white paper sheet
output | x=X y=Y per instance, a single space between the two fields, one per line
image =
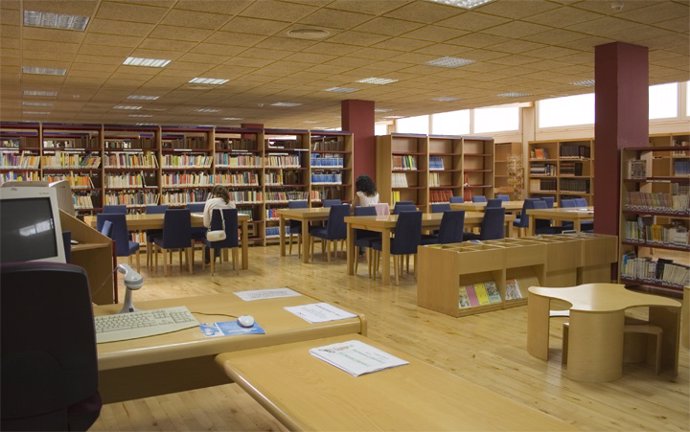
x=263 y=294
x=319 y=312
x=356 y=357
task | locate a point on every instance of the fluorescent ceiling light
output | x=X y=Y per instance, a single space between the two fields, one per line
x=450 y=62
x=207 y=110
x=37 y=70
x=308 y=33
x=377 y=81
x=286 y=104
x=142 y=97
x=53 y=20
x=391 y=117
x=208 y=81
x=36 y=103
x=512 y=94
x=40 y=93
x=445 y=99
x=147 y=62
x=342 y=89
x=583 y=83
x=141 y=115
x=146 y=124
x=127 y=107
x=36 y=112
x=232 y=118
x=382 y=110
x=465 y=4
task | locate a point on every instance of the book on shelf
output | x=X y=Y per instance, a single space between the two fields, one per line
x=539 y=153
x=398 y=180
x=436 y=163
x=513 y=290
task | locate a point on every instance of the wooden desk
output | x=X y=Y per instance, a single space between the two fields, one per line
x=597 y=315
x=510 y=206
x=183 y=360
x=686 y=317
x=574 y=214
x=143 y=222
x=305 y=393
x=304 y=215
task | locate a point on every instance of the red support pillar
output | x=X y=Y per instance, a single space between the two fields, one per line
x=357 y=116
x=621 y=92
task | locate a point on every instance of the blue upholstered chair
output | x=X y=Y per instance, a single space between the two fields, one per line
x=494 y=203
x=522 y=222
x=456 y=199
x=408 y=235
x=196 y=207
x=451 y=230
x=117 y=209
x=404 y=202
x=332 y=202
x=120 y=234
x=543 y=226
x=566 y=203
x=492 y=227
x=399 y=208
x=296 y=226
x=106 y=228
x=177 y=234
x=363 y=238
x=334 y=230
x=549 y=200
x=503 y=197
x=150 y=234
x=231 y=240
x=440 y=207
x=587 y=225
x=478 y=198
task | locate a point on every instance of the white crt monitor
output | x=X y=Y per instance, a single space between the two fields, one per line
x=30 y=227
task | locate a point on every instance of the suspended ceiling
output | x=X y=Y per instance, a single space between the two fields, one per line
x=531 y=47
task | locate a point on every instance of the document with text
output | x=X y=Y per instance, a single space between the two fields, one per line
x=263 y=294
x=356 y=357
x=319 y=312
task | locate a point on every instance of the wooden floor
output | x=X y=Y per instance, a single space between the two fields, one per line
x=488 y=349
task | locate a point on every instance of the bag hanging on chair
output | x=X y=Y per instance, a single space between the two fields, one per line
x=217 y=235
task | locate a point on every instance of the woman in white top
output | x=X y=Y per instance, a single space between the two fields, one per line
x=220 y=199
x=366 y=191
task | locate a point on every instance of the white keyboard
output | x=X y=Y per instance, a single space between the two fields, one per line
x=132 y=325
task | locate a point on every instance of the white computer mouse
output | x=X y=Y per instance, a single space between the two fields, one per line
x=245 y=321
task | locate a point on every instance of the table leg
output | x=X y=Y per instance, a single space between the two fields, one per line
x=530 y=228
x=281 y=225
x=386 y=257
x=669 y=320
x=577 y=224
x=351 y=250
x=595 y=346
x=306 y=240
x=245 y=245
x=538 y=326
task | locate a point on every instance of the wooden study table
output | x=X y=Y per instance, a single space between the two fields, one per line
x=305 y=216
x=510 y=206
x=574 y=214
x=143 y=222
x=597 y=318
x=305 y=393
x=183 y=360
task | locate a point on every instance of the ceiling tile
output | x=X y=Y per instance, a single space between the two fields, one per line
x=516 y=46
x=107 y=26
x=516 y=29
x=604 y=27
x=309 y=58
x=52 y=35
x=563 y=16
x=165 y=45
x=174 y=33
x=232 y=38
x=43 y=46
x=402 y=44
x=335 y=19
x=112 y=40
x=472 y=21
x=517 y=9
x=217 y=49
x=425 y=12
x=196 y=20
x=72 y=7
x=478 y=40
x=277 y=10
x=93 y=49
x=435 y=33
x=374 y=7
x=130 y=12
x=357 y=38
x=268 y=54
x=330 y=48
x=553 y=36
x=213 y=6
x=254 y=26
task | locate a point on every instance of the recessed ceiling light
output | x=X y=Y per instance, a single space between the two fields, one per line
x=208 y=81
x=382 y=110
x=207 y=110
x=391 y=117
x=465 y=4
x=583 y=83
x=308 y=33
x=141 y=115
x=127 y=107
x=37 y=70
x=512 y=94
x=445 y=99
x=40 y=93
x=36 y=112
x=286 y=104
x=341 y=89
x=53 y=20
x=146 y=124
x=232 y=118
x=377 y=81
x=142 y=97
x=311 y=121
x=146 y=62
x=450 y=62
x=36 y=103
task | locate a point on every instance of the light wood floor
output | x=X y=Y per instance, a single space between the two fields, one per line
x=488 y=349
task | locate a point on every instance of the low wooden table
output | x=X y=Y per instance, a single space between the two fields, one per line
x=574 y=214
x=597 y=316
x=305 y=216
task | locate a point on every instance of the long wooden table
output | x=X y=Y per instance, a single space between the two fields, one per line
x=183 y=360
x=575 y=214
x=143 y=222
x=305 y=216
x=305 y=393
x=597 y=318
x=510 y=206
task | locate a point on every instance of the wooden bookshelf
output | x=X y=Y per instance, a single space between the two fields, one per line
x=655 y=215
x=186 y=165
x=401 y=168
x=20 y=152
x=508 y=169
x=478 y=167
x=445 y=168
x=331 y=166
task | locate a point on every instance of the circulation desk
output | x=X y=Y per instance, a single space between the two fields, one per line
x=183 y=360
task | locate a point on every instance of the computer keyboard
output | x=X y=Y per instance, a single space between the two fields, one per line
x=132 y=325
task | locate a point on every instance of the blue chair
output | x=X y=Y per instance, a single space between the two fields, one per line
x=150 y=234
x=106 y=228
x=399 y=208
x=196 y=207
x=198 y=233
x=549 y=200
x=363 y=238
x=404 y=202
x=522 y=222
x=116 y=209
x=120 y=234
x=494 y=203
x=440 y=207
x=568 y=202
x=332 y=202
x=231 y=241
x=296 y=226
x=408 y=235
x=503 y=197
x=580 y=202
x=334 y=230
x=478 y=198
x=177 y=234
x=584 y=225
x=543 y=226
x=457 y=199
x=451 y=230
x=492 y=227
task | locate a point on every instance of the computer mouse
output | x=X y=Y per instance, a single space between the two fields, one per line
x=245 y=321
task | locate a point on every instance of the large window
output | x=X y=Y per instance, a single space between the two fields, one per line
x=663 y=101
x=419 y=125
x=381 y=129
x=566 y=111
x=496 y=119
x=451 y=123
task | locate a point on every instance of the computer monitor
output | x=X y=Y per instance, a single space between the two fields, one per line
x=64 y=192
x=30 y=228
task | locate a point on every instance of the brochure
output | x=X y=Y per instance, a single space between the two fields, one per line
x=356 y=357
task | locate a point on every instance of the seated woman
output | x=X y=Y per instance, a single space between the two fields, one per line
x=219 y=199
x=366 y=195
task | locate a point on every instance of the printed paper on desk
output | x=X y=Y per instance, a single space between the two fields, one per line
x=228 y=328
x=263 y=294
x=319 y=312
x=356 y=357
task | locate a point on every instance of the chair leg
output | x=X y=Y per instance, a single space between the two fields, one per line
x=213 y=261
x=299 y=245
x=327 y=246
x=356 y=258
x=396 y=260
x=289 y=244
x=138 y=261
x=190 y=259
x=370 y=260
x=235 y=258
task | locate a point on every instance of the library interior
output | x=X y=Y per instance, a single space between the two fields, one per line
x=345 y=215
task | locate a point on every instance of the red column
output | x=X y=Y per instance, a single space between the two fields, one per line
x=357 y=116
x=621 y=92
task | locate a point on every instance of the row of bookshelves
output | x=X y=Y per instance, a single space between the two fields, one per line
x=661 y=271
x=645 y=232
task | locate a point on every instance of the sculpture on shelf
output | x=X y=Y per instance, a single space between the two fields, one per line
x=516 y=176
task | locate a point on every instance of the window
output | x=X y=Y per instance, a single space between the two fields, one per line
x=567 y=111
x=381 y=129
x=451 y=123
x=419 y=125
x=663 y=101
x=687 y=99
x=496 y=119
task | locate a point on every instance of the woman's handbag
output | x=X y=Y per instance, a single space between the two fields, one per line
x=217 y=235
